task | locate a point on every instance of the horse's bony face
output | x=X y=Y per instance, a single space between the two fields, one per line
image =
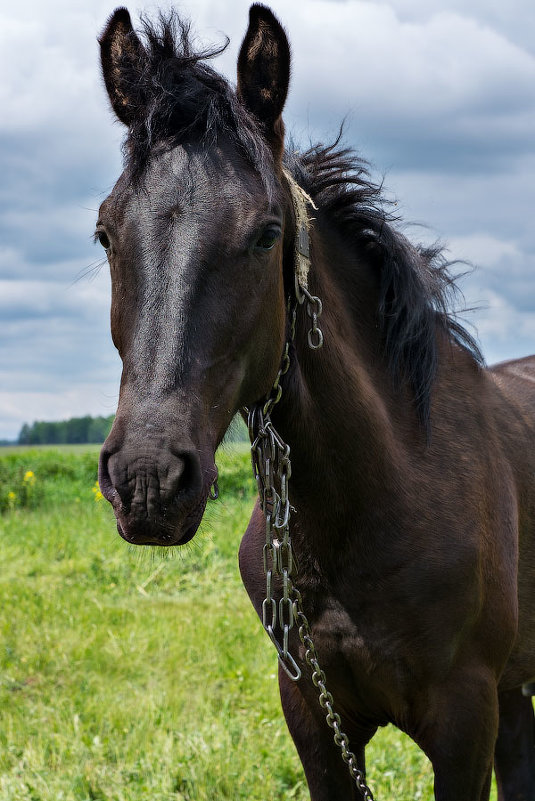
x=195 y=252
x=195 y=255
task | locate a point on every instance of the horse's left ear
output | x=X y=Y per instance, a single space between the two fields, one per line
x=264 y=73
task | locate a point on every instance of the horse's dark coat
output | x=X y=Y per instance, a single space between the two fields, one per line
x=413 y=467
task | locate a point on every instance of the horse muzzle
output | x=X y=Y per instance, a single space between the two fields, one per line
x=158 y=494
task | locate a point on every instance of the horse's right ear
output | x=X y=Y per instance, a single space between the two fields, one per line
x=264 y=72
x=122 y=57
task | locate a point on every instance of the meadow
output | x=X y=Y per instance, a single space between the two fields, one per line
x=130 y=674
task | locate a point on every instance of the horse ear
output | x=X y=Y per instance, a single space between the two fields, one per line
x=122 y=57
x=264 y=72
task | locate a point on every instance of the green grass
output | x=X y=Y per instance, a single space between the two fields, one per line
x=24 y=449
x=130 y=674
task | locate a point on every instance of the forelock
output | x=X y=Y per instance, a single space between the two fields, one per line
x=184 y=100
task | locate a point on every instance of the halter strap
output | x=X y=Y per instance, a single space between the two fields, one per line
x=300 y=200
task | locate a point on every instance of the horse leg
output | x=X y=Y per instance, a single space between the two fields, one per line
x=326 y=773
x=458 y=733
x=514 y=756
x=485 y=793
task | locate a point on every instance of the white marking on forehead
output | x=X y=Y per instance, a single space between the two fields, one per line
x=167 y=291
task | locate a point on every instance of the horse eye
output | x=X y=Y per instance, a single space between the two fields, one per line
x=103 y=239
x=267 y=239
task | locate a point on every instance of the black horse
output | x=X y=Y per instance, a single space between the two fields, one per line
x=413 y=483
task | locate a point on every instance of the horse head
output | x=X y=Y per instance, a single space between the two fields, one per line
x=194 y=232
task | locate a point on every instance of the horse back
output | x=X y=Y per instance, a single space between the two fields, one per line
x=519 y=372
x=515 y=381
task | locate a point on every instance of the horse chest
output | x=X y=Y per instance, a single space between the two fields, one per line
x=366 y=645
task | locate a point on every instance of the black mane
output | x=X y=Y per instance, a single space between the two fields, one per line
x=184 y=99
x=416 y=285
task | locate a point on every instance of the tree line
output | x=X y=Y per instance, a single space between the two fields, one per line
x=80 y=430
x=75 y=431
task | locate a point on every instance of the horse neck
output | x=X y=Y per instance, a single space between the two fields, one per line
x=339 y=412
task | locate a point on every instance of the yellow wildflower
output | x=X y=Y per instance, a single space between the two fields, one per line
x=29 y=477
x=11 y=496
x=96 y=492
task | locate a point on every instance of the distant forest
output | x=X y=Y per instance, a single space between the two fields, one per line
x=76 y=431
x=79 y=430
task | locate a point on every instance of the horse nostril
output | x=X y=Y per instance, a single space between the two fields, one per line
x=185 y=474
x=104 y=480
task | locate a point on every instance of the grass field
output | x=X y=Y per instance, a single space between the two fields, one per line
x=130 y=674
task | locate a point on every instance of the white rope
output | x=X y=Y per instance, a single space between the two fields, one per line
x=300 y=201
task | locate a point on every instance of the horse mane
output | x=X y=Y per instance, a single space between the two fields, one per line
x=183 y=99
x=416 y=285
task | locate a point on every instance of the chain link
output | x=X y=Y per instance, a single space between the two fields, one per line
x=314 y=309
x=272 y=470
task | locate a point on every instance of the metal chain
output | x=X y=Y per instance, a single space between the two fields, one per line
x=272 y=470
x=314 y=310
x=325 y=698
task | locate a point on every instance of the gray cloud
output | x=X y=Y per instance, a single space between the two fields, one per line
x=446 y=91
x=439 y=96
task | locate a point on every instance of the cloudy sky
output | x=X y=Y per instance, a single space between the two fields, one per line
x=438 y=94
